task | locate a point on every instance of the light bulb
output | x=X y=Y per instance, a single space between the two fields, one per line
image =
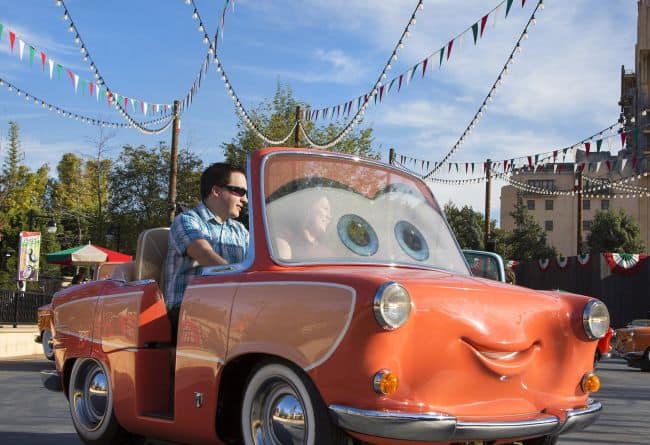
x=71 y=28
x=195 y=14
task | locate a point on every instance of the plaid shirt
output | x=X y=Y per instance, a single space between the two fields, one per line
x=229 y=240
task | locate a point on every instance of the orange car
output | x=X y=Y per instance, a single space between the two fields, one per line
x=44 y=316
x=376 y=333
x=633 y=344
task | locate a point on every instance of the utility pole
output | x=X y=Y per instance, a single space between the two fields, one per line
x=579 y=232
x=296 y=135
x=173 y=162
x=488 y=183
x=391 y=155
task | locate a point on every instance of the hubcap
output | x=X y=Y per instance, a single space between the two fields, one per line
x=277 y=415
x=90 y=395
x=47 y=343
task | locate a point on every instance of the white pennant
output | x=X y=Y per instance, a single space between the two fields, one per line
x=609 y=143
x=575 y=167
x=145 y=107
x=133 y=104
x=76 y=83
x=97 y=91
x=51 y=62
x=598 y=166
x=461 y=39
x=554 y=168
x=623 y=162
x=21 y=45
x=497 y=10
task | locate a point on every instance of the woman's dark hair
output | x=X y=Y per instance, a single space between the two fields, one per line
x=217 y=174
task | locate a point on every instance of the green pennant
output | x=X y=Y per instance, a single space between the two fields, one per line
x=536 y=159
x=508 y=6
x=442 y=55
x=472 y=168
x=31 y=55
x=390 y=85
x=83 y=87
x=1 y=29
x=58 y=71
x=599 y=143
x=456 y=167
x=475 y=31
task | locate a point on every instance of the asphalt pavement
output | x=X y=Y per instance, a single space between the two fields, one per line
x=32 y=415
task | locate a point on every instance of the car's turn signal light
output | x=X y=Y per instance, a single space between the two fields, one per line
x=385 y=382
x=590 y=383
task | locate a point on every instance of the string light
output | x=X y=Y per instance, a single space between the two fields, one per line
x=491 y=92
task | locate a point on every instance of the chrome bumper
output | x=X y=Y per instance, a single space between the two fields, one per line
x=438 y=427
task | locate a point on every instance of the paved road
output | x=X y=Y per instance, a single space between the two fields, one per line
x=32 y=415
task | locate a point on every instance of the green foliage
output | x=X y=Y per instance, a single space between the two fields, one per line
x=613 y=231
x=277 y=116
x=528 y=240
x=468 y=226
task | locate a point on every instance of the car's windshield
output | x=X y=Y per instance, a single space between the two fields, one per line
x=328 y=209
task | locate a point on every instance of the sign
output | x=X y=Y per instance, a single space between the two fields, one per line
x=29 y=248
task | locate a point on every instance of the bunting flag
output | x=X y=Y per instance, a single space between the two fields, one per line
x=543 y=264
x=444 y=53
x=33 y=51
x=562 y=262
x=587 y=148
x=623 y=138
x=584 y=259
x=624 y=263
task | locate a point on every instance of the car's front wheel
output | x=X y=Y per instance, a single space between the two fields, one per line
x=281 y=406
x=645 y=361
x=46 y=341
x=90 y=396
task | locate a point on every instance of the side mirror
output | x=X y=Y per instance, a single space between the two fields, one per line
x=486 y=264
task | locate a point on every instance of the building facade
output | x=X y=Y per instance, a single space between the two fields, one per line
x=558 y=214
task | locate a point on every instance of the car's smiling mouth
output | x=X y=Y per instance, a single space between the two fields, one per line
x=504 y=360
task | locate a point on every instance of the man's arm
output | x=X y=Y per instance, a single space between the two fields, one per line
x=204 y=254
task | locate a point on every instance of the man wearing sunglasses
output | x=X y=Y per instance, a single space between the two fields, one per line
x=207 y=235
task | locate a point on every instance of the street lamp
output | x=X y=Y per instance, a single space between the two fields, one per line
x=51 y=223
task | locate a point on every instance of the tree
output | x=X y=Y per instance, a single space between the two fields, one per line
x=528 y=240
x=468 y=226
x=613 y=231
x=276 y=118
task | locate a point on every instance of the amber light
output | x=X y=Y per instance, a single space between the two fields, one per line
x=590 y=383
x=385 y=382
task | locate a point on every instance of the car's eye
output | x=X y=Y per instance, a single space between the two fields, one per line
x=411 y=241
x=357 y=235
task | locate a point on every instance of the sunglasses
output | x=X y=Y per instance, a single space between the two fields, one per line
x=239 y=191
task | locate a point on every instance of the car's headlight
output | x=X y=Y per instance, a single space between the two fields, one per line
x=595 y=319
x=392 y=305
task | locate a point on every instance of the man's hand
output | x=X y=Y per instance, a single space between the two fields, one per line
x=204 y=254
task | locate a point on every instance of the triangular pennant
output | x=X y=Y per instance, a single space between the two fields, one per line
x=530 y=161
x=599 y=143
x=409 y=74
x=614 y=164
x=523 y=3
x=21 y=48
x=59 y=68
x=587 y=147
x=1 y=29
x=399 y=83
x=598 y=166
x=51 y=63
x=32 y=51
x=76 y=82
x=634 y=161
x=495 y=16
x=472 y=168
x=390 y=85
x=483 y=22
x=442 y=55
x=349 y=107
x=475 y=31
x=554 y=155
x=449 y=46
x=91 y=86
x=508 y=6
x=424 y=66
x=609 y=165
x=449 y=168
x=12 y=40
x=43 y=58
x=554 y=169
x=83 y=87
x=623 y=138
x=623 y=162
x=381 y=94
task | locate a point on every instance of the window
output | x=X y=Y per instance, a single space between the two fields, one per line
x=586 y=204
x=604 y=204
x=549 y=204
x=586 y=224
x=546 y=184
x=531 y=204
x=548 y=225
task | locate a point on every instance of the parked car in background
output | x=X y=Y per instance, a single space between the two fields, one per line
x=377 y=333
x=604 y=348
x=44 y=317
x=633 y=344
x=485 y=264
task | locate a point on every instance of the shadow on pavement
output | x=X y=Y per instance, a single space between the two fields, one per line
x=18 y=438
x=29 y=365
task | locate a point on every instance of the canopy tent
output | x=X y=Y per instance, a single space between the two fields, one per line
x=86 y=255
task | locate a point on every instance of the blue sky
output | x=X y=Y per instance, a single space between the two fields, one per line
x=564 y=86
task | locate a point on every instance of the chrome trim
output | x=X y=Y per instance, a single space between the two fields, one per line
x=351 y=158
x=586 y=314
x=440 y=427
x=235 y=268
x=376 y=306
x=51 y=380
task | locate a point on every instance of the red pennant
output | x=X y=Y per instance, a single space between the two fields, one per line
x=587 y=147
x=126 y=102
x=634 y=161
x=381 y=92
x=505 y=165
x=623 y=138
x=71 y=74
x=554 y=156
x=485 y=167
x=449 y=167
x=483 y=23
x=466 y=167
x=530 y=161
x=12 y=40
x=399 y=82
x=349 y=107
x=582 y=167
x=91 y=86
x=43 y=57
x=338 y=109
x=523 y=2
x=449 y=45
x=424 y=66
x=609 y=165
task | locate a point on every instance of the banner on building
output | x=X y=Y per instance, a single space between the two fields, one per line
x=29 y=248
